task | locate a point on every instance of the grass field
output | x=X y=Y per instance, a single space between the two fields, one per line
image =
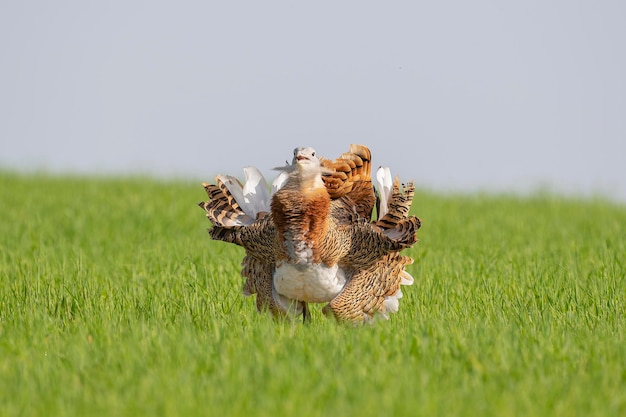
x=114 y=301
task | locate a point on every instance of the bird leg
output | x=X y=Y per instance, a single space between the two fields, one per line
x=306 y=314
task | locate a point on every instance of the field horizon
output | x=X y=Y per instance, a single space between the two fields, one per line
x=115 y=301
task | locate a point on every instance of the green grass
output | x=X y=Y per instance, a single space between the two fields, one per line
x=114 y=301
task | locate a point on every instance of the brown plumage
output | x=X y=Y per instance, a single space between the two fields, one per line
x=314 y=240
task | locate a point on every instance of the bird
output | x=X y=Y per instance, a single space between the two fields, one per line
x=322 y=233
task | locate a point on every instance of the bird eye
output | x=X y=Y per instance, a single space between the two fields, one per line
x=313 y=154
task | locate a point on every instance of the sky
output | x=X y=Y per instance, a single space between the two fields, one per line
x=455 y=95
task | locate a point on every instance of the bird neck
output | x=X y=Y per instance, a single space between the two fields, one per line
x=309 y=178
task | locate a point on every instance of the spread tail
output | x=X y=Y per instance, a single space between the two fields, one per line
x=350 y=176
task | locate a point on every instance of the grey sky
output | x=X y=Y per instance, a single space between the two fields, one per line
x=462 y=95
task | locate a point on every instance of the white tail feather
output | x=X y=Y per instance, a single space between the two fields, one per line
x=385 y=182
x=407 y=279
x=392 y=302
x=255 y=192
x=253 y=197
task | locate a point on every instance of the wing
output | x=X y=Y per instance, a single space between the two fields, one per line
x=234 y=223
x=239 y=215
x=373 y=262
x=375 y=289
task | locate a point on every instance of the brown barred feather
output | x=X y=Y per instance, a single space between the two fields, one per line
x=260 y=239
x=399 y=205
x=364 y=295
x=222 y=209
x=351 y=177
x=258 y=274
x=370 y=243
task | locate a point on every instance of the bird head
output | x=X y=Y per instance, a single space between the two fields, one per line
x=305 y=166
x=305 y=157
